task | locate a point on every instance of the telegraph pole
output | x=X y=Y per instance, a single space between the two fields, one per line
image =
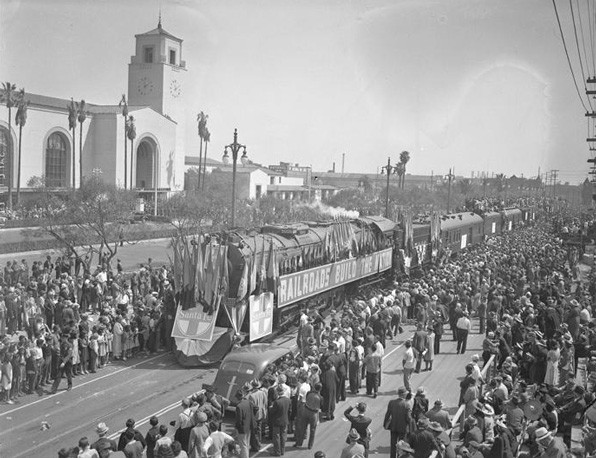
x=449 y=180
x=554 y=175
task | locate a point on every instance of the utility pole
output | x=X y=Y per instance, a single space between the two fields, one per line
x=554 y=175
x=449 y=178
x=343 y=162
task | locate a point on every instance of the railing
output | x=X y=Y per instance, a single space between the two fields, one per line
x=488 y=372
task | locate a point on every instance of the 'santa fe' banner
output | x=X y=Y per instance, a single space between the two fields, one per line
x=261 y=315
x=194 y=324
x=301 y=285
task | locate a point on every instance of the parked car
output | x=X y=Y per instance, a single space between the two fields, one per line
x=244 y=364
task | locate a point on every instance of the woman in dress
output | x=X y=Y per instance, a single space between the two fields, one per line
x=118 y=332
x=552 y=363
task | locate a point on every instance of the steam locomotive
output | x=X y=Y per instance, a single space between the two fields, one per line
x=318 y=261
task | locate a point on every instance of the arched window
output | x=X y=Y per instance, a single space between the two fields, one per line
x=3 y=156
x=56 y=161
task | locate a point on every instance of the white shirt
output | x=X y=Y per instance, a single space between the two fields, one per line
x=409 y=360
x=464 y=323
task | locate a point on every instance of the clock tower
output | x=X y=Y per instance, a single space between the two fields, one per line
x=156 y=74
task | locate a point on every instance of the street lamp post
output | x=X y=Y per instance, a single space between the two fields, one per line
x=235 y=148
x=389 y=170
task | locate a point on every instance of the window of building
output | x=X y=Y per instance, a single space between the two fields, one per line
x=258 y=191
x=148 y=54
x=271 y=180
x=56 y=161
x=172 y=57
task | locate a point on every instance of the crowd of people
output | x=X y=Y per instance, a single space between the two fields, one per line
x=59 y=319
x=533 y=310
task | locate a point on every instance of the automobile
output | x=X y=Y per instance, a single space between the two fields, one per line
x=244 y=364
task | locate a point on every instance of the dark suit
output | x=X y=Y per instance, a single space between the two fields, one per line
x=279 y=414
x=397 y=420
x=244 y=424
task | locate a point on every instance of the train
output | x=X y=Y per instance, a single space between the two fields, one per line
x=274 y=271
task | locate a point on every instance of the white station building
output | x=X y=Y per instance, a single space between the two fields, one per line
x=156 y=81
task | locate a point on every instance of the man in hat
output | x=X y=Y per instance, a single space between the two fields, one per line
x=422 y=440
x=397 y=419
x=420 y=344
x=439 y=415
x=551 y=447
x=66 y=357
x=353 y=448
x=258 y=400
x=442 y=439
x=244 y=423
x=360 y=422
x=471 y=431
x=103 y=445
x=279 y=415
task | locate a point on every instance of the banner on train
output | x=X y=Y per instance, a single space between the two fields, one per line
x=302 y=285
x=194 y=324
x=261 y=315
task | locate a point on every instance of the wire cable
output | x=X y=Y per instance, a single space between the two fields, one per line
x=591 y=29
x=583 y=38
x=579 y=54
x=568 y=59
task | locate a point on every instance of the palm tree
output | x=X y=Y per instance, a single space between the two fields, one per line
x=202 y=120
x=124 y=106
x=81 y=117
x=72 y=125
x=9 y=99
x=207 y=139
x=20 y=120
x=404 y=158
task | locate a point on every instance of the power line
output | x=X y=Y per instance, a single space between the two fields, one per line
x=591 y=29
x=579 y=54
x=568 y=59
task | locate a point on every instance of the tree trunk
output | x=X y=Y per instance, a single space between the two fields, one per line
x=200 y=164
x=80 y=154
x=204 y=166
x=19 y=167
x=10 y=159
x=74 y=157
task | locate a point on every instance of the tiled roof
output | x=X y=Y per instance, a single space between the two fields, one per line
x=194 y=160
x=159 y=31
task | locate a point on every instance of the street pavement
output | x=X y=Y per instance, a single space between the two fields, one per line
x=142 y=387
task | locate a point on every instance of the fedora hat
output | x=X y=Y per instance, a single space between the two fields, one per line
x=487 y=409
x=403 y=446
x=542 y=433
x=436 y=427
x=102 y=428
x=353 y=434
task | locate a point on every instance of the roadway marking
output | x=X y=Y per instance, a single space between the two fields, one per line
x=45 y=398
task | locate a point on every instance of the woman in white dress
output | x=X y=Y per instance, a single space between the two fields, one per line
x=118 y=332
x=552 y=363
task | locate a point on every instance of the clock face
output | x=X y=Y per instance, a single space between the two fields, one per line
x=145 y=86
x=175 y=89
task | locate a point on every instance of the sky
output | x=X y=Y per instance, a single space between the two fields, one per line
x=476 y=85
